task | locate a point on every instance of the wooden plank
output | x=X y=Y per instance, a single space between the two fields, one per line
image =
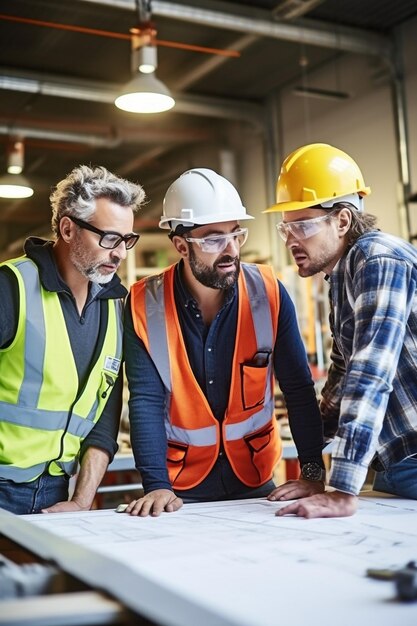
x=81 y=608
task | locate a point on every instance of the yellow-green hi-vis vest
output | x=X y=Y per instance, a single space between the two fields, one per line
x=44 y=416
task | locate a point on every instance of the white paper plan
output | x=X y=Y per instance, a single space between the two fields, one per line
x=237 y=563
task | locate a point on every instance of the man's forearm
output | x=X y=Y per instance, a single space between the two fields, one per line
x=93 y=467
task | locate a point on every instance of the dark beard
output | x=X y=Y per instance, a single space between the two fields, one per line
x=209 y=276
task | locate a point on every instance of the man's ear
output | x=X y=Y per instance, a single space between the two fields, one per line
x=344 y=221
x=180 y=246
x=66 y=228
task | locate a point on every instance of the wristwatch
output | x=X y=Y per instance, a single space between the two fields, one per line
x=313 y=471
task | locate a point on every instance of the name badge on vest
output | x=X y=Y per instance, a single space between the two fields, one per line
x=111 y=364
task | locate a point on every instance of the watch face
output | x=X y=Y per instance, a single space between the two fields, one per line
x=312 y=471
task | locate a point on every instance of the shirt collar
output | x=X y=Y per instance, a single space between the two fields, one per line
x=40 y=251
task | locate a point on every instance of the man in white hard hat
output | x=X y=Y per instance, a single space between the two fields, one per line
x=203 y=341
x=369 y=402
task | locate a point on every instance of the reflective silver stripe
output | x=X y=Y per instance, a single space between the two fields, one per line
x=250 y=425
x=259 y=304
x=33 y=418
x=35 y=340
x=79 y=427
x=119 y=342
x=155 y=315
x=20 y=474
x=44 y=420
x=118 y=305
x=69 y=467
x=91 y=414
x=262 y=321
x=206 y=436
x=24 y=475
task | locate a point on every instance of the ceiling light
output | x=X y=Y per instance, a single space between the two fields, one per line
x=15 y=186
x=145 y=94
x=315 y=92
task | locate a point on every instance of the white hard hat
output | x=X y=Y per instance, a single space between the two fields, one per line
x=200 y=196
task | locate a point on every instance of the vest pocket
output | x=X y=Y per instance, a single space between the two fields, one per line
x=256 y=443
x=176 y=454
x=253 y=381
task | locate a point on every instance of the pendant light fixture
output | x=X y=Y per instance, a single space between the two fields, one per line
x=14 y=184
x=145 y=93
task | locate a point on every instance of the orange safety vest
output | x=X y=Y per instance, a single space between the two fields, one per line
x=249 y=429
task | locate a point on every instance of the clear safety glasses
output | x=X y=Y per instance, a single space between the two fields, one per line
x=215 y=244
x=304 y=228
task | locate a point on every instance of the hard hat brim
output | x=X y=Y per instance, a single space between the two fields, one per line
x=203 y=220
x=297 y=206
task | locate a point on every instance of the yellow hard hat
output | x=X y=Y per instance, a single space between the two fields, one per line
x=316 y=174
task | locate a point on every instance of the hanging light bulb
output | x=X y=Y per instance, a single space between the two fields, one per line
x=146 y=59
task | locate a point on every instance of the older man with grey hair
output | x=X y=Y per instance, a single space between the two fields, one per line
x=61 y=346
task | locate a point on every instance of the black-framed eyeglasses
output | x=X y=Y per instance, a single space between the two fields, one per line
x=108 y=238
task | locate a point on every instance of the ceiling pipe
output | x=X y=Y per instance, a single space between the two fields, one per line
x=259 y=22
x=109 y=140
x=221 y=108
x=94 y=141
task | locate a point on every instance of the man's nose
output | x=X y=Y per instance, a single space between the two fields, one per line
x=232 y=247
x=121 y=250
x=292 y=241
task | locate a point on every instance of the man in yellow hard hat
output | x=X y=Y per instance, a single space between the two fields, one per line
x=369 y=402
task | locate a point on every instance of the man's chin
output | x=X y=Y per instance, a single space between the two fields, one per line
x=306 y=272
x=227 y=280
x=100 y=279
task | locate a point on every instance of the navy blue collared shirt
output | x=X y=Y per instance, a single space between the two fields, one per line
x=210 y=352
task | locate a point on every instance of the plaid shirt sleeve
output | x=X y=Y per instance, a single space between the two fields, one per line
x=371 y=328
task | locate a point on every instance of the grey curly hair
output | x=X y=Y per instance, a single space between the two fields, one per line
x=76 y=194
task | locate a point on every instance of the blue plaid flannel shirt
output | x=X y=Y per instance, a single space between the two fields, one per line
x=370 y=398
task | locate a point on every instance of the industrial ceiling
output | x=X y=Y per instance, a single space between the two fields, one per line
x=57 y=85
